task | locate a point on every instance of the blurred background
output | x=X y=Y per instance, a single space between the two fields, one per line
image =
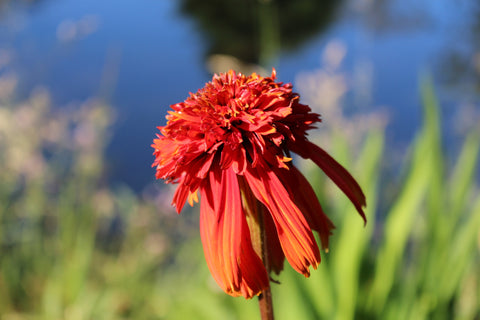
x=87 y=233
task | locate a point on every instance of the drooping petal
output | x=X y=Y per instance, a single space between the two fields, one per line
x=180 y=196
x=307 y=201
x=226 y=237
x=186 y=190
x=335 y=171
x=296 y=238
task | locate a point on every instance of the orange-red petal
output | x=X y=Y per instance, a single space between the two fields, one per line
x=335 y=171
x=307 y=201
x=226 y=238
x=294 y=233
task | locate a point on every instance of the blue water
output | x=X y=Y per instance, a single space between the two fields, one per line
x=145 y=55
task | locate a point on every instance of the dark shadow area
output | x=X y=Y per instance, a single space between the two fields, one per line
x=254 y=31
x=7 y=6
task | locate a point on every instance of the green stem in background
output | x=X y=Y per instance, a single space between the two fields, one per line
x=269 y=34
x=265 y=298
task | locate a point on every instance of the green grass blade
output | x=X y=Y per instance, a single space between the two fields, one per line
x=401 y=216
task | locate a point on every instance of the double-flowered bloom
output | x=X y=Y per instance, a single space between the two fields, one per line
x=231 y=143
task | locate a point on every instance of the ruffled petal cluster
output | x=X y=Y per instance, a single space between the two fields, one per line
x=231 y=142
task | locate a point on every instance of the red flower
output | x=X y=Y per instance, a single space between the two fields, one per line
x=231 y=141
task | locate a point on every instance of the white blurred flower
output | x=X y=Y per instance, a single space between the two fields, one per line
x=70 y=30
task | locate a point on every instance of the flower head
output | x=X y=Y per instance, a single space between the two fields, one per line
x=231 y=143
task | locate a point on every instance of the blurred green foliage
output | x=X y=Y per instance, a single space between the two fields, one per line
x=73 y=248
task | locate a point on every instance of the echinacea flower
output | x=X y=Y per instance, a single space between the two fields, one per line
x=231 y=142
